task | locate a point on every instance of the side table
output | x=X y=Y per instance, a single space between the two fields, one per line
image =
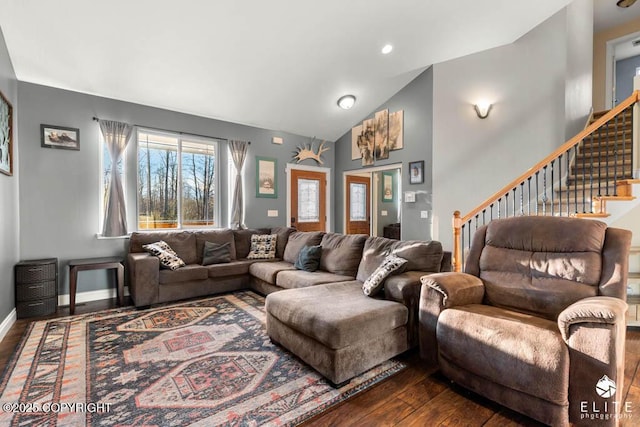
x=84 y=264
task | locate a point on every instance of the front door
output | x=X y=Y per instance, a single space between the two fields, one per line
x=308 y=200
x=358 y=205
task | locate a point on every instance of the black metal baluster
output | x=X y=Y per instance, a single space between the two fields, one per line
x=584 y=173
x=462 y=245
x=537 y=193
x=506 y=205
x=599 y=161
x=484 y=217
x=560 y=184
x=568 y=182
x=514 y=200
x=591 y=170
x=491 y=212
x=522 y=198
x=575 y=184
x=499 y=206
x=606 y=165
x=529 y=196
x=469 y=231
x=624 y=147
x=615 y=159
x=544 y=190
x=552 y=190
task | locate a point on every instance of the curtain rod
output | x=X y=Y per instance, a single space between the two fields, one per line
x=178 y=132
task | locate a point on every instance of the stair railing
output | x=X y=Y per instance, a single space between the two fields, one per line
x=590 y=172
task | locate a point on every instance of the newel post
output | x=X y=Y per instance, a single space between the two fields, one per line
x=457 y=251
x=636 y=130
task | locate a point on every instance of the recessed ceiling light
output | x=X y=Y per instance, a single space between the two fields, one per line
x=345 y=102
x=387 y=48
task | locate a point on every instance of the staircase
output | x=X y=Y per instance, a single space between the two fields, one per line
x=579 y=179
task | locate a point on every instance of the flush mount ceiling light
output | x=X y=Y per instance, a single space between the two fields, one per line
x=346 y=102
x=482 y=109
x=386 y=49
x=625 y=3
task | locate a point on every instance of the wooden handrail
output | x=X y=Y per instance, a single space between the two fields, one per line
x=635 y=97
x=458 y=221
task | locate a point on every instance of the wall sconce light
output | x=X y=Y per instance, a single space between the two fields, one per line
x=346 y=102
x=482 y=109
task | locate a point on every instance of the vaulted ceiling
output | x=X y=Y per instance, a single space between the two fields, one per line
x=278 y=64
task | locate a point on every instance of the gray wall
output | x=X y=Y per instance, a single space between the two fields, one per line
x=9 y=219
x=416 y=101
x=59 y=193
x=625 y=72
x=529 y=83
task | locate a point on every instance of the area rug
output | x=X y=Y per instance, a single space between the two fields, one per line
x=202 y=363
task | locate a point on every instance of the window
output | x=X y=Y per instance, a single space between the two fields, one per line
x=177 y=181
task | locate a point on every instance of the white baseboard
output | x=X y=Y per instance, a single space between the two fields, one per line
x=91 y=296
x=7 y=323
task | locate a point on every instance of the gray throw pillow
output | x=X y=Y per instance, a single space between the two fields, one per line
x=216 y=253
x=374 y=283
x=309 y=258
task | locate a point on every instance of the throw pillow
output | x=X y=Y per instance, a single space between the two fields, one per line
x=168 y=258
x=309 y=258
x=263 y=246
x=374 y=283
x=216 y=253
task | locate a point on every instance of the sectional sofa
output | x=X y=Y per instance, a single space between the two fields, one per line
x=322 y=316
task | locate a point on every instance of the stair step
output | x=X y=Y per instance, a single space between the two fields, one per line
x=592 y=215
x=615 y=198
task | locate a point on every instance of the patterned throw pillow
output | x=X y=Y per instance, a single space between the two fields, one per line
x=374 y=283
x=263 y=246
x=168 y=258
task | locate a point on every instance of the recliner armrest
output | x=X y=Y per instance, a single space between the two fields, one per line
x=594 y=310
x=441 y=291
x=594 y=330
x=451 y=289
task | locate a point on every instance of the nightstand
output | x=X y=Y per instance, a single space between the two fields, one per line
x=36 y=287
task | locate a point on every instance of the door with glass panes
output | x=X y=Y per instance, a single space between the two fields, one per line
x=358 y=205
x=308 y=200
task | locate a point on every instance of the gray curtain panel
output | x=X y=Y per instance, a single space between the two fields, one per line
x=116 y=136
x=238 y=154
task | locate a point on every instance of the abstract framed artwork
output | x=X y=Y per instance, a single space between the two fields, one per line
x=416 y=172
x=59 y=137
x=356 y=132
x=266 y=177
x=6 y=136
x=396 y=130
x=382 y=135
x=367 y=142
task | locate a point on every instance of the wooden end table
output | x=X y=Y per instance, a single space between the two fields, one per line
x=84 y=264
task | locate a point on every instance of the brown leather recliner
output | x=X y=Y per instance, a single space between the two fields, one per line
x=537 y=321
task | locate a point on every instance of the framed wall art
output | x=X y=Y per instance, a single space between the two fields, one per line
x=388 y=187
x=266 y=177
x=416 y=172
x=6 y=136
x=59 y=137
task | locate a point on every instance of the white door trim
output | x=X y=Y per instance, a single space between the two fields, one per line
x=327 y=172
x=610 y=67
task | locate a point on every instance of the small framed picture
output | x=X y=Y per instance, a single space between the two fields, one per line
x=266 y=177
x=6 y=138
x=416 y=172
x=388 y=187
x=59 y=137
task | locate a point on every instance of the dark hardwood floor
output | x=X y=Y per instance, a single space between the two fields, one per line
x=417 y=396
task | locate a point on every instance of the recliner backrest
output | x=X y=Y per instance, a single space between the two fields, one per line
x=542 y=265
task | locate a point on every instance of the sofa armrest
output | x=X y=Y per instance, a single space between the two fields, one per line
x=594 y=330
x=438 y=292
x=144 y=275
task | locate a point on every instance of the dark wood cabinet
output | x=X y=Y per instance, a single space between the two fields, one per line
x=36 y=287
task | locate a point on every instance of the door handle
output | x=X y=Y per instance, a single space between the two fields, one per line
x=293 y=220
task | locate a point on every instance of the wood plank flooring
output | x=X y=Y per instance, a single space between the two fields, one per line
x=417 y=396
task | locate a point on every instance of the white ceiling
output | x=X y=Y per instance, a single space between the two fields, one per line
x=607 y=14
x=278 y=64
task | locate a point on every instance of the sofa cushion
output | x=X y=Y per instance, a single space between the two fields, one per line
x=341 y=253
x=263 y=246
x=267 y=271
x=232 y=268
x=420 y=255
x=182 y=242
x=507 y=348
x=404 y=287
x=297 y=241
x=242 y=239
x=215 y=253
x=352 y=317
x=283 y=237
x=214 y=236
x=185 y=274
x=374 y=283
x=289 y=279
x=167 y=256
x=309 y=258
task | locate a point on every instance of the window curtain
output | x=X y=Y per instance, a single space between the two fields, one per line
x=116 y=136
x=238 y=154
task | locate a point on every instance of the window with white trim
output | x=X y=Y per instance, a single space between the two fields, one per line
x=177 y=181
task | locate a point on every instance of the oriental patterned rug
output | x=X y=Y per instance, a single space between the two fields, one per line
x=201 y=363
